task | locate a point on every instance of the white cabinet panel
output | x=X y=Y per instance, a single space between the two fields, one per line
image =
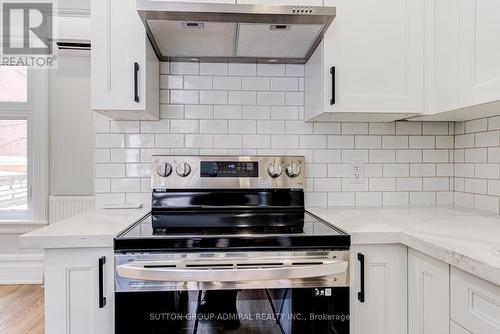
x=428 y=294
x=475 y=303
x=480 y=51
x=120 y=52
x=72 y=285
x=457 y=329
x=384 y=308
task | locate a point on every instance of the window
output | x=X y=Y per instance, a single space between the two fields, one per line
x=22 y=144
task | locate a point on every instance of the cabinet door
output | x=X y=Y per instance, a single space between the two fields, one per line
x=283 y=2
x=383 y=310
x=428 y=294
x=377 y=49
x=72 y=291
x=118 y=43
x=457 y=329
x=479 y=52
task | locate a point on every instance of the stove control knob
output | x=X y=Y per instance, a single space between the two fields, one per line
x=163 y=169
x=274 y=170
x=183 y=169
x=293 y=169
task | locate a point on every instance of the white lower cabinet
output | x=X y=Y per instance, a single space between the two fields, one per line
x=383 y=308
x=74 y=300
x=428 y=294
x=475 y=303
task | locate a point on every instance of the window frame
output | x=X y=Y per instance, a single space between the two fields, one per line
x=35 y=111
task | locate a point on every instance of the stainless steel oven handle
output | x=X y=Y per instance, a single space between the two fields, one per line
x=136 y=270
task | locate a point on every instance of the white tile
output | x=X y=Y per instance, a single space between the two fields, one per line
x=327 y=184
x=487 y=171
x=255 y=83
x=183 y=96
x=382 y=156
x=122 y=155
x=367 y=141
x=101 y=200
x=196 y=111
x=171 y=82
x=184 y=68
x=313 y=141
x=283 y=84
x=147 y=153
x=408 y=156
x=339 y=170
x=307 y=153
x=444 y=198
x=227 y=83
x=213 y=151
x=327 y=156
x=477 y=186
x=294 y=98
x=227 y=112
x=485 y=139
x=340 y=141
x=101 y=155
x=422 y=142
x=197 y=82
x=458 y=184
x=213 y=126
x=284 y=141
x=271 y=127
x=294 y=70
x=464 y=141
x=354 y=128
x=184 y=151
x=369 y=199
x=213 y=68
x=476 y=155
x=172 y=111
x=408 y=128
x=109 y=140
x=243 y=98
x=109 y=170
x=243 y=127
x=382 y=128
x=436 y=183
x=213 y=97
x=256 y=141
x=459 y=128
x=348 y=185
x=138 y=170
x=138 y=198
x=382 y=184
x=316 y=199
x=125 y=185
x=488 y=203
x=395 y=141
x=102 y=185
x=445 y=142
x=494 y=187
x=271 y=98
x=183 y=126
x=422 y=198
x=393 y=170
x=316 y=170
x=464 y=170
x=435 y=128
x=242 y=69
x=445 y=169
x=164 y=67
x=198 y=141
x=161 y=126
x=169 y=140
x=101 y=126
x=299 y=127
x=464 y=200
x=494 y=154
x=227 y=141
x=271 y=70
x=494 y=123
x=373 y=170
x=326 y=128
x=409 y=184
x=341 y=199
x=476 y=125
x=422 y=170
x=284 y=112
x=164 y=96
x=435 y=156
x=395 y=199
x=354 y=155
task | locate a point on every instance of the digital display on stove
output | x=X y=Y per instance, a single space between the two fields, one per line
x=229 y=169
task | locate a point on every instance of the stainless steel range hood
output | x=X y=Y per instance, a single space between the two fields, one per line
x=184 y=31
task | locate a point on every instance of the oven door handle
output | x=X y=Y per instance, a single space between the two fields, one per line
x=138 y=271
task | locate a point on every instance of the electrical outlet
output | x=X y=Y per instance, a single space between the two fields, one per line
x=358 y=172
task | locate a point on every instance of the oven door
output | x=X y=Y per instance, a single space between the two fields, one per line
x=261 y=292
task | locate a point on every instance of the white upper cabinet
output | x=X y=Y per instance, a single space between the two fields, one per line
x=377 y=50
x=378 y=289
x=124 y=68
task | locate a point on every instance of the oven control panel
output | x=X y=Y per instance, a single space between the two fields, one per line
x=205 y=172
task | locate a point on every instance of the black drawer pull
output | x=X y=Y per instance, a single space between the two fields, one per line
x=136 y=82
x=332 y=72
x=361 y=294
x=102 y=299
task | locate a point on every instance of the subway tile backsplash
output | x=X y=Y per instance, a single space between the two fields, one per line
x=221 y=108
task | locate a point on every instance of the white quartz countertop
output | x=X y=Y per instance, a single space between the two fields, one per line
x=467 y=239
x=95 y=228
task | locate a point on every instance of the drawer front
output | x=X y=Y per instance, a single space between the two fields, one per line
x=475 y=303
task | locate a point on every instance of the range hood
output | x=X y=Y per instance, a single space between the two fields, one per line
x=185 y=31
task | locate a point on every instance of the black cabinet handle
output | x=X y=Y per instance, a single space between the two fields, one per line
x=361 y=294
x=102 y=299
x=332 y=72
x=136 y=82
